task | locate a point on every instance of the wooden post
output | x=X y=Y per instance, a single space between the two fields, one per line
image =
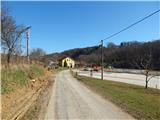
x=101 y=59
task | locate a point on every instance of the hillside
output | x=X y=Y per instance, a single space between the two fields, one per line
x=125 y=55
x=77 y=53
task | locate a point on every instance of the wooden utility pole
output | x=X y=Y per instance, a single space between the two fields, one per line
x=27 y=35
x=101 y=59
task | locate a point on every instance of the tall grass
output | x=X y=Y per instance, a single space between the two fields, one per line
x=18 y=77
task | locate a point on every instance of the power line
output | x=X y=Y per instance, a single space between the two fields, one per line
x=129 y=26
x=132 y=25
x=118 y=33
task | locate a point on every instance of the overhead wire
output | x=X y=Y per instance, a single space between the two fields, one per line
x=131 y=25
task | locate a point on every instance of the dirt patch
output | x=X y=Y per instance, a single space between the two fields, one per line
x=38 y=109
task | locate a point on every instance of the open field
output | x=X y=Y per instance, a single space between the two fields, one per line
x=139 y=102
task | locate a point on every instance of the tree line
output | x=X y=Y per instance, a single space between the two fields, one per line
x=134 y=55
x=131 y=55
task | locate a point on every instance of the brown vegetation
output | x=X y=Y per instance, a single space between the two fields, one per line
x=17 y=102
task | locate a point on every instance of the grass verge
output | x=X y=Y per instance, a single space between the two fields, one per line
x=137 y=101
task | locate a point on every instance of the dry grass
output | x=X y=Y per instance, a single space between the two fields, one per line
x=16 y=87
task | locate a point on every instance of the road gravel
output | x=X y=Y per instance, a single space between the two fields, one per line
x=72 y=100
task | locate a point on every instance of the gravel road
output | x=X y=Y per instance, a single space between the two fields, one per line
x=72 y=100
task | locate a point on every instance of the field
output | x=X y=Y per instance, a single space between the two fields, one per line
x=139 y=102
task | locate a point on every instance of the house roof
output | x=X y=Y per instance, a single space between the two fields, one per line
x=65 y=58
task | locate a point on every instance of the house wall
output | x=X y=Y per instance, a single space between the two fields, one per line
x=69 y=62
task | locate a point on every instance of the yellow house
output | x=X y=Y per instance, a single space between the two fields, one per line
x=68 y=62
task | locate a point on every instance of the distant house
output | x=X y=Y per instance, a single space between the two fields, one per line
x=68 y=62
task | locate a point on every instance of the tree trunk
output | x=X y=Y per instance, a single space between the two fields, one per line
x=146 y=86
x=8 y=58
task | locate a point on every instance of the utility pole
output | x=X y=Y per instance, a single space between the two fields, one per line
x=101 y=59
x=27 y=36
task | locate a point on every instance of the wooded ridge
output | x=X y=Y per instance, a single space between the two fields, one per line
x=132 y=55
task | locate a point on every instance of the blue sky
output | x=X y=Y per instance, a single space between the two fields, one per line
x=58 y=26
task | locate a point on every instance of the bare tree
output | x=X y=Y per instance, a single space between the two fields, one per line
x=38 y=52
x=143 y=61
x=10 y=33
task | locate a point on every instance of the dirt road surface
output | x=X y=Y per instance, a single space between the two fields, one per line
x=72 y=100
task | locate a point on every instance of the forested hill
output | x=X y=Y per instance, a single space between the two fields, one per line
x=77 y=53
x=126 y=55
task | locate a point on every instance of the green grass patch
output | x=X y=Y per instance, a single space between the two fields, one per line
x=139 y=102
x=37 y=70
x=12 y=78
